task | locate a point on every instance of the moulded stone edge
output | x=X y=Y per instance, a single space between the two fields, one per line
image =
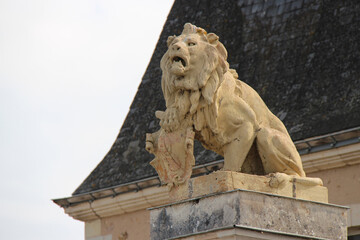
x=329 y=159
x=156 y=196
x=121 y=204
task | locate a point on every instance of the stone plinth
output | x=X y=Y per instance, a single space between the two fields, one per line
x=245 y=214
x=279 y=184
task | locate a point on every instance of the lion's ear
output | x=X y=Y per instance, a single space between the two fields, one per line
x=212 y=38
x=170 y=39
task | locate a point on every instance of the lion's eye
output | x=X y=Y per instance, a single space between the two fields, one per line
x=191 y=44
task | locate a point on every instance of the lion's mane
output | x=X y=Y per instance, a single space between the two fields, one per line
x=195 y=95
x=227 y=116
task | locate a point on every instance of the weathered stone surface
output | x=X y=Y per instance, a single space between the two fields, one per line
x=279 y=184
x=249 y=210
x=242 y=233
x=304 y=63
x=204 y=96
x=174 y=155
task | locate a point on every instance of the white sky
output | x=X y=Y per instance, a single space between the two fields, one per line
x=68 y=73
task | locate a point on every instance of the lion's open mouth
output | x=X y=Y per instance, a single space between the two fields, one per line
x=179 y=59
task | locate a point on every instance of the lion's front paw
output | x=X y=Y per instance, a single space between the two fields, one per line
x=170 y=120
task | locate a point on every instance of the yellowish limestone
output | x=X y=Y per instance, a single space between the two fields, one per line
x=279 y=184
x=174 y=154
x=205 y=99
x=93 y=228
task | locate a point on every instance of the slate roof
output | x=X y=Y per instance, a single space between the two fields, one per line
x=302 y=56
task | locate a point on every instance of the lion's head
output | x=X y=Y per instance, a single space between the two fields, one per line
x=195 y=61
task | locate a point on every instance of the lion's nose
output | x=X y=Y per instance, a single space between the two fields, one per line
x=176 y=47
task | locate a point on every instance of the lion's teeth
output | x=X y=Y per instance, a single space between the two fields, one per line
x=179 y=60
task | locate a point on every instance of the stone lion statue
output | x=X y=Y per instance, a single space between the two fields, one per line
x=226 y=114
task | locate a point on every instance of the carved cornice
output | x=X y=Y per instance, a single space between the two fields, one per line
x=155 y=196
x=120 y=204
x=333 y=158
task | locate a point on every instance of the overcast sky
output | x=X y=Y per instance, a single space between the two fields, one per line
x=69 y=71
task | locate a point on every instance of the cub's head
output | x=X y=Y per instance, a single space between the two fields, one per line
x=191 y=59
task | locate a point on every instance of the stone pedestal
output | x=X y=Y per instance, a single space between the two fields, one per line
x=244 y=214
x=215 y=209
x=279 y=184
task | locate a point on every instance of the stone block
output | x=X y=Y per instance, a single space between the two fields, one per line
x=252 y=213
x=92 y=229
x=279 y=184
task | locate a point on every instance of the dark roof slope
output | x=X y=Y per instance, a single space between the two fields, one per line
x=302 y=56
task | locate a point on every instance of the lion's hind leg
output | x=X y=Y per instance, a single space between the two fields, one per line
x=278 y=153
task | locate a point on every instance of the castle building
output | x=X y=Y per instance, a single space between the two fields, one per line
x=301 y=56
